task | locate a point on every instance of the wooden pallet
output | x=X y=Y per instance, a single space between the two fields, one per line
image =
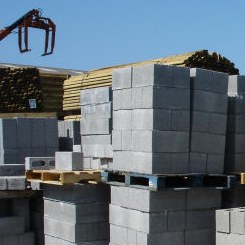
x=158 y=182
x=63 y=177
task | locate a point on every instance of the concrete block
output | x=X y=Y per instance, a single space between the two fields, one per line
x=235 y=123
x=180 y=120
x=16 y=183
x=169 y=238
x=160 y=98
x=39 y=163
x=76 y=232
x=81 y=213
x=152 y=119
x=122 y=120
x=98 y=126
x=161 y=75
x=234 y=162
x=161 y=141
x=3 y=183
x=147 y=201
x=198 y=162
x=98 y=151
x=122 y=78
x=8 y=135
x=11 y=225
x=127 y=140
x=200 y=219
x=27 y=239
x=78 y=193
x=122 y=99
x=9 y=156
x=236 y=104
x=24 y=132
x=100 y=163
x=137 y=220
x=12 y=170
x=223 y=220
x=5 y=209
x=235 y=143
x=21 y=208
x=95 y=96
x=201 y=199
x=96 y=139
x=118 y=235
x=200 y=237
x=209 y=80
x=51 y=133
x=209 y=101
x=68 y=160
x=38 y=133
x=87 y=162
x=38 y=152
x=100 y=111
x=207 y=143
x=207 y=122
x=223 y=238
x=237 y=219
x=121 y=160
x=176 y=220
x=215 y=164
x=50 y=152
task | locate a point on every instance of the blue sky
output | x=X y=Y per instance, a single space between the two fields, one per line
x=95 y=33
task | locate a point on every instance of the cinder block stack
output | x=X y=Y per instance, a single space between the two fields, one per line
x=96 y=127
x=208 y=121
x=26 y=137
x=69 y=135
x=151 y=115
x=230 y=226
x=143 y=217
x=15 y=226
x=76 y=214
x=235 y=141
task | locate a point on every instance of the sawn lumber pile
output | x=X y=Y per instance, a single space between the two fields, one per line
x=103 y=77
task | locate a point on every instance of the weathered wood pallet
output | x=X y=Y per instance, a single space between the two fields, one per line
x=156 y=182
x=63 y=177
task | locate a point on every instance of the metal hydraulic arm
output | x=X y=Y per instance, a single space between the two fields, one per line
x=32 y=19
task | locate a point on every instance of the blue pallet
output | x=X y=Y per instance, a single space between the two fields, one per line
x=169 y=181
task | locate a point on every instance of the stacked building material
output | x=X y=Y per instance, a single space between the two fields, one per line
x=143 y=217
x=26 y=137
x=208 y=121
x=235 y=140
x=15 y=226
x=151 y=114
x=96 y=127
x=230 y=226
x=69 y=135
x=76 y=214
x=103 y=77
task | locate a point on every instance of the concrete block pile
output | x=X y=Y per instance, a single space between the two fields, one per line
x=96 y=127
x=166 y=122
x=76 y=214
x=15 y=226
x=69 y=135
x=142 y=217
x=27 y=137
x=235 y=139
x=230 y=226
x=151 y=113
x=208 y=121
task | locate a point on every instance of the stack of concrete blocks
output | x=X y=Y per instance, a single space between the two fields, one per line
x=235 y=141
x=151 y=119
x=69 y=135
x=76 y=214
x=26 y=137
x=15 y=227
x=143 y=217
x=230 y=226
x=96 y=127
x=208 y=121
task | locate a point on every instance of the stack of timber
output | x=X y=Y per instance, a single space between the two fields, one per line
x=103 y=77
